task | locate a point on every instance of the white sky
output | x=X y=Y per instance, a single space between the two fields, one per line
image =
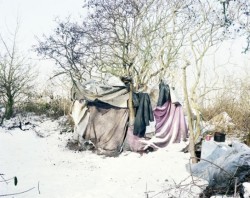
x=36 y=18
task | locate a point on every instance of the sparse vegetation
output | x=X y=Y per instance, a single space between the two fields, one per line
x=53 y=108
x=234 y=100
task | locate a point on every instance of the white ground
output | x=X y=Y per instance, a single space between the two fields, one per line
x=55 y=171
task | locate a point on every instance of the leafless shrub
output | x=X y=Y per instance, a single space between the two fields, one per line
x=234 y=100
x=54 y=107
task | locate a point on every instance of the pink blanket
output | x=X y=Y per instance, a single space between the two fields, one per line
x=170 y=126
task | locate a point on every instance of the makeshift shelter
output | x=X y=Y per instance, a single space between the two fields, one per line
x=100 y=112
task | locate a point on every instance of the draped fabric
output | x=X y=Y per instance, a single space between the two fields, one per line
x=170 y=126
x=106 y=129
x=101 y=125
x=115 y=94
x=80 y=116
x=101 y=114
x=132 y=142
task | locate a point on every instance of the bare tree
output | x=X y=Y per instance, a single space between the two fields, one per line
x=206 y=30
x=139 y=39
x=236 y=19
x=211 y=25
x=15 y=74
x=119 y=37
x=67 y=47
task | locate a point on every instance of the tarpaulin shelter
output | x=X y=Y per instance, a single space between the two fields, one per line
x=100 y=112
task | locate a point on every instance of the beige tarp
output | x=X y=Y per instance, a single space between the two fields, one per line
x=104 y=127
x=92 y=90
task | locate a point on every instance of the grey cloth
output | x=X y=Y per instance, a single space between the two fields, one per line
x=93 y=90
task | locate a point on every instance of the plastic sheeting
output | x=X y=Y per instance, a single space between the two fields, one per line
x=223 y=165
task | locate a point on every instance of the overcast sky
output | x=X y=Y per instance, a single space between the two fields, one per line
x=37 y=17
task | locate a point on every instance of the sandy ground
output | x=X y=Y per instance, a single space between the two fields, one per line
x=52 y=170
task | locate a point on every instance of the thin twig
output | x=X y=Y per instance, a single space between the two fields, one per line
x=236 y=177
x=231 y=175
x=146 y=192
x=215 y=165
x=235 y=186
x=181 y=188
x=38 y=187
x=5 y=195
x=9 y=133
x=3 y=179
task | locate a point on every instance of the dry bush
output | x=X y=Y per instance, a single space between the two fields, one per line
x=54 y=107
x=235 y=102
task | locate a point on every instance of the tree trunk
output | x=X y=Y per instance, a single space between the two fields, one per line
x=189 y=114
x=198 y=126
x=130 y=106
x=9 y=108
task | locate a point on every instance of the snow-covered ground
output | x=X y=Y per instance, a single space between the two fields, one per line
x=46 y=164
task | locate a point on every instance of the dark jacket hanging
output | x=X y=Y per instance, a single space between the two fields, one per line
x=164 y=94
x=144 y=113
